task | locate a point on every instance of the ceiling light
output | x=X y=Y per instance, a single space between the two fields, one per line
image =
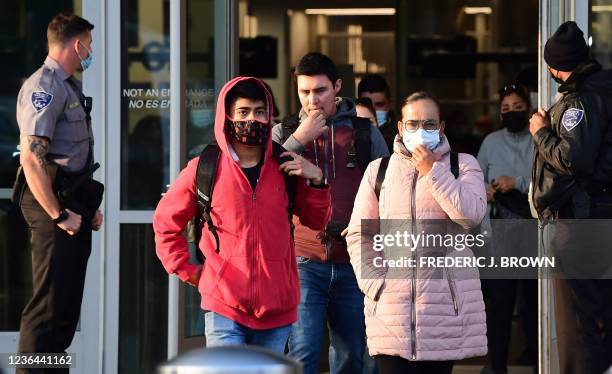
x=352 y=11
x=478 y=10
x=601 y=8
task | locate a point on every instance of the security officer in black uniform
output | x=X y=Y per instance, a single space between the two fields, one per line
x=572 y=179
x=58 y=198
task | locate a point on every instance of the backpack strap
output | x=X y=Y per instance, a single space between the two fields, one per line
x=380 y=176
x=290 y=183
x=384 y=163
x=454 y=164
x=289 y=125
x=362 y=141
x=205 y=180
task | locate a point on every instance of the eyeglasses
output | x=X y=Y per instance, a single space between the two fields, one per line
x=428 y=125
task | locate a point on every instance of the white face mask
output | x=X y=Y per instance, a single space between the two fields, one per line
x=428 y=139
x=381 y=117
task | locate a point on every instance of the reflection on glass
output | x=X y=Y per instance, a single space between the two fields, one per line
x=200 y=83
x=15 y=266
x=143 y=302
x=144 y=102
x=200 y=105
x=193 y=315
x=145 y=95
x=601 y=31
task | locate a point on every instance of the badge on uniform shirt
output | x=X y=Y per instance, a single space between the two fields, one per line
x=73 y=105
x=41 y=100
x=571 y=118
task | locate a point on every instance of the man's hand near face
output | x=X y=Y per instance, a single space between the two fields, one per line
x=311 y=128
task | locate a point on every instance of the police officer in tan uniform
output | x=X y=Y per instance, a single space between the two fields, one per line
x=56 y=147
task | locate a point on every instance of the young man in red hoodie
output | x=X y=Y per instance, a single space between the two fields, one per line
x=250 y=287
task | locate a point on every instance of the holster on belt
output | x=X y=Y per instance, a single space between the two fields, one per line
x=20 y=184
x=79 y=192
x=18 y=187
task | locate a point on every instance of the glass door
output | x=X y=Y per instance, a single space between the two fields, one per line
x=209 y=57
x=552 y=14
x=151 y=134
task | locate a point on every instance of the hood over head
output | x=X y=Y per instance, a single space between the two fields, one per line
x=221 y=115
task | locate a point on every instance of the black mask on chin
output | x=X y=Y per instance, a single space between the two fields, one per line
x=514 y=121
x=249 y=132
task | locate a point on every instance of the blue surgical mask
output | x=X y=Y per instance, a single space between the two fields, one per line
x=428 y=139
x=381 y=117
x=86 y=63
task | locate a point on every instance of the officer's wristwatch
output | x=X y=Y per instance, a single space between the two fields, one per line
x=62 y=217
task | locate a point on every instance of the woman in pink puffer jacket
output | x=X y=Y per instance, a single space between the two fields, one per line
x=417 y=323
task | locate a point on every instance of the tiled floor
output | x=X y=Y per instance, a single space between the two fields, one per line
x=473 y=369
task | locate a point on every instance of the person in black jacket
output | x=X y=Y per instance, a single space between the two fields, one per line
x=572 y=177
x=375 y=88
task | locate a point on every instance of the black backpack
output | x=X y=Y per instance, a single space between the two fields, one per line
x=382 y=171
x=361 y=148
x=205 y=181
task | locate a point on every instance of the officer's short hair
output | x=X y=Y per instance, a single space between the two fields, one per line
x=66 y=26
x=315 y=63
x=246 y=89
x=373 y=83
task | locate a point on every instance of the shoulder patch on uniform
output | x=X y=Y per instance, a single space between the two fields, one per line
x=571 y=118
x=41 y=100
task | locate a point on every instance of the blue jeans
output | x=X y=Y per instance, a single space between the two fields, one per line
x=222 y=331
x=329 y=291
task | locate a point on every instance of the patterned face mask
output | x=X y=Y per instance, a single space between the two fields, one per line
x=248 y=132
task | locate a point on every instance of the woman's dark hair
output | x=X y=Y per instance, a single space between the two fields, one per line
x=246 y=89
x=366 y=102
x=315 y=63
x=421 y=95
x=65 y=26
x=515 y=88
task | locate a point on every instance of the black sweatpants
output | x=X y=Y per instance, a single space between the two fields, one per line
x=59 y=262
x=583 y=316
x=398 y=365
x=500 y=296
x=583 y=307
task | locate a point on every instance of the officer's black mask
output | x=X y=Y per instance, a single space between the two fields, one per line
x=555 y=78
x=514 y=121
